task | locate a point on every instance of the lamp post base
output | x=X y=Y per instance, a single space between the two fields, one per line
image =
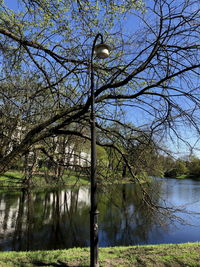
x=94 y=238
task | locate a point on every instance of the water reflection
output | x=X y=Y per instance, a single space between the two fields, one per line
x=127 y=220
x=48 y=220
x=60 y=219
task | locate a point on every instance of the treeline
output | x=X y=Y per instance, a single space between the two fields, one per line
x=182 y=168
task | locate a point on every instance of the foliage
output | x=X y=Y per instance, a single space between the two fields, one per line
x=194 y=167
x=178 y=169
x=184 y=168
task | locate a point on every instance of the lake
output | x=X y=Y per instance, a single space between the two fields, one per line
x=57 y=219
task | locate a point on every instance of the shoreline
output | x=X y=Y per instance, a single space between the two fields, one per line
x=13 y=179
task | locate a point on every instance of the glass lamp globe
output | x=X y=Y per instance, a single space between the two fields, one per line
x=102 y=50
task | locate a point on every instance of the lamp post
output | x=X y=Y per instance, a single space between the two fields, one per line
x=102 y=51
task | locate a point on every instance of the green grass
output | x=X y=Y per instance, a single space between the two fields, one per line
x=11 y=175
x=185 y=176
x=176 y=255
x=11 y=178
x=15 y=178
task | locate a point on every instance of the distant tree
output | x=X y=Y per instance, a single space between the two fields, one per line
x=167 y=162
x=194 y=167
x=179 y=168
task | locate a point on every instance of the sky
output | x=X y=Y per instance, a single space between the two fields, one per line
x=12 y=4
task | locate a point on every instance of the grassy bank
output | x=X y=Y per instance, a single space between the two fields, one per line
x=39 y=180
x=185 y=176
x=15 y=179
x=176 y=255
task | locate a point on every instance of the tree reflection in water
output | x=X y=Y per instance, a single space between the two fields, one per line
x=45 y=220
x=128 y=220
x=60 y=219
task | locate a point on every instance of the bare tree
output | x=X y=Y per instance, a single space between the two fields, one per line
x=152 y=73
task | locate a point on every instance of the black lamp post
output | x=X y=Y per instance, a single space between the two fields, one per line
x=102 y=51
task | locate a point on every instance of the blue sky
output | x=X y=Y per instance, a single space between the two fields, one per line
x=13 y=4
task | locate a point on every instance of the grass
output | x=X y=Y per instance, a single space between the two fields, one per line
x=176 y=255
x=15 y=178
x=11 y=178
x=185 y=176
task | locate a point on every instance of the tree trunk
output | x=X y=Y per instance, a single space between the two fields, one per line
x=124 y=172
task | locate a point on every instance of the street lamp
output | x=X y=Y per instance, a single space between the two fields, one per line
x=101 y=51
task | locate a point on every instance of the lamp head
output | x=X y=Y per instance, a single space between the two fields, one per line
x=102 y=50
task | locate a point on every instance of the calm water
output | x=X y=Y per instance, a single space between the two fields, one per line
x=60 y=219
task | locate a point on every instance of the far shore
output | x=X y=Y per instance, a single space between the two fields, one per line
x=14 y=179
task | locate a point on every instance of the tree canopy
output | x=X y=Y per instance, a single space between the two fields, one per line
x=152 y=72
